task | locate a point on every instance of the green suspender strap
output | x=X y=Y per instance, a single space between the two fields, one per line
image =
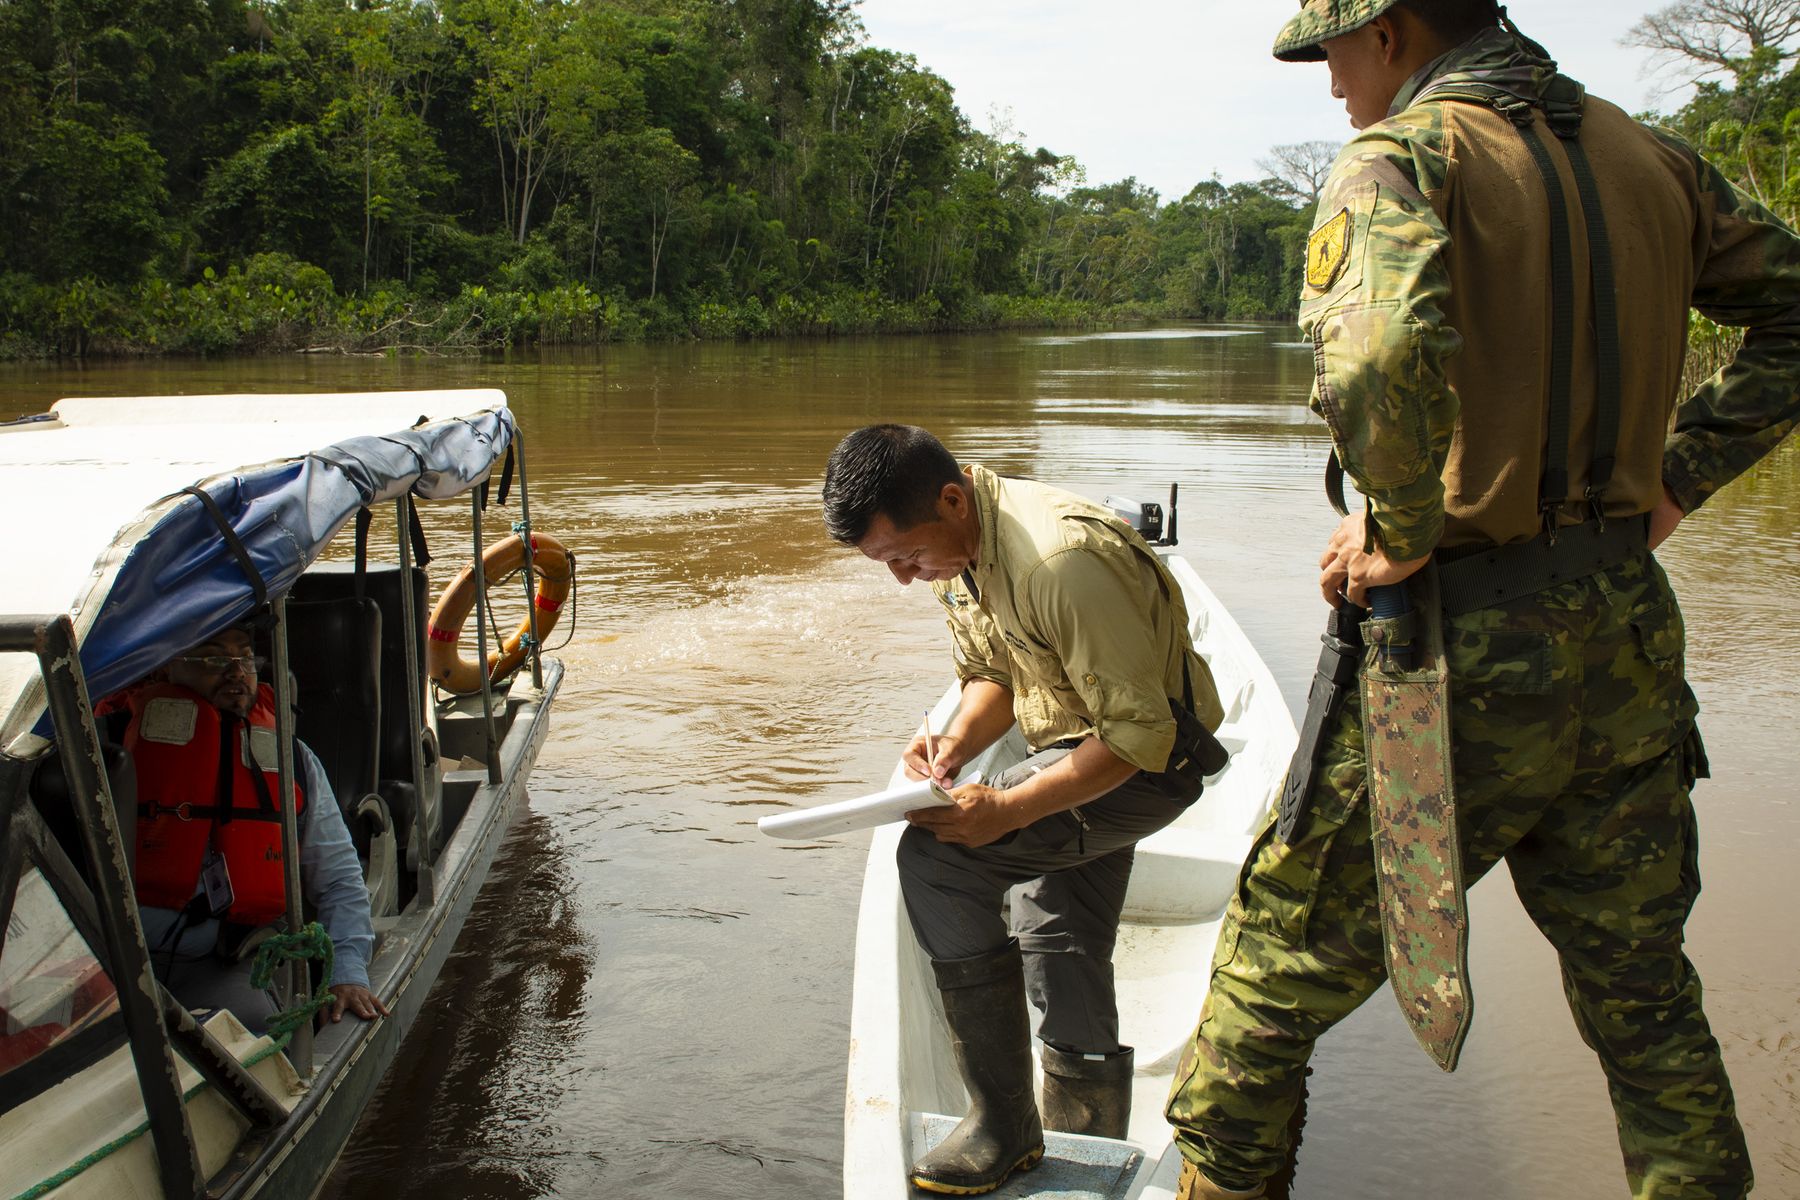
x=1555 y=480
x=1562 y=108
x=1564 y=105
x=1562 y=112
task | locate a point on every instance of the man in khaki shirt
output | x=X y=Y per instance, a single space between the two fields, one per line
x=1065 y=623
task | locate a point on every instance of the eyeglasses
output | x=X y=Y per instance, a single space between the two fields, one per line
x=250 y=664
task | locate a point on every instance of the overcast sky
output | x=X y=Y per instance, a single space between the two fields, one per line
x=1175 y=91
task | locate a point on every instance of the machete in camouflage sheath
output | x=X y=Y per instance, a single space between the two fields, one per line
x=1338 y=666
x=1412 y=808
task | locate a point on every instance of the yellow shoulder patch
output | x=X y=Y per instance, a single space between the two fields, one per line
x=1327 y=250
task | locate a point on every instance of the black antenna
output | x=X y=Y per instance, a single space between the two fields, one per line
x=1169 y=530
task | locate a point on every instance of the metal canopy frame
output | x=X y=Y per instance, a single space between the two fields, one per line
x=52 y=640
x=106 y=915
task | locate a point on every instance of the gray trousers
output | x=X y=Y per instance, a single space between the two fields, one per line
x=182 y=956
x=1069 y=870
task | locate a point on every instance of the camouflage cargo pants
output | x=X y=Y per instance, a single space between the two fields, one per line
x=1575 y=754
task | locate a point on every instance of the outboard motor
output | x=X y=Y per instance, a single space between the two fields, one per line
x=1147 y=517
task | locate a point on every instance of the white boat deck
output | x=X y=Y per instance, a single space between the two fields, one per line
x=1073 y=1167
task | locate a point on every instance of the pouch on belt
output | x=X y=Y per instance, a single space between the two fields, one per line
x=1412 y=805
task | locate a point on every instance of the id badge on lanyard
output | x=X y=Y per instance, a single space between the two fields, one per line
x=215 y=878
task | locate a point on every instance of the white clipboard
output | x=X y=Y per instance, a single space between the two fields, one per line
x=864 y=812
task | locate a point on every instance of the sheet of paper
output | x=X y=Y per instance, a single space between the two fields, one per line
x=864 y=812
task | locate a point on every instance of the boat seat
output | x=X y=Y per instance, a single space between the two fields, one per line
x=1181 y=882
x=383 y=587
x=49 y=790
x=333 y=649
x=1184 y=875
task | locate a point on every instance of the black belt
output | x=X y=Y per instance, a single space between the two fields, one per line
x=1481 y=578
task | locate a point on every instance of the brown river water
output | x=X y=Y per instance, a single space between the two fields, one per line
x=650 y=1000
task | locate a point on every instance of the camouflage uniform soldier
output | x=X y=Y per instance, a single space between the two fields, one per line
x=1478 y=249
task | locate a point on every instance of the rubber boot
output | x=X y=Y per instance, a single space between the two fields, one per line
x=1195 y=1186
x=990 y=1031
x=1088 y=1094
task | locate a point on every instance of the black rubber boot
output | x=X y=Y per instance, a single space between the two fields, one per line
x=990 y=1030
x=1090 y=1095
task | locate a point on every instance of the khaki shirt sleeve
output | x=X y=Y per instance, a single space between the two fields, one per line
x=1090 y=618
x=1750 y=278
x=975 y=644
x=1372 y=307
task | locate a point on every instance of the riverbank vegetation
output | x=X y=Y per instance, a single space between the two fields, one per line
x=1742 y=58
x=231 y=175
x=208 y=176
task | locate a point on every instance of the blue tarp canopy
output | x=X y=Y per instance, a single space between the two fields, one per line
x=108 y=536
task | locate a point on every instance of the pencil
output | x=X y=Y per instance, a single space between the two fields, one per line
x=930 y=747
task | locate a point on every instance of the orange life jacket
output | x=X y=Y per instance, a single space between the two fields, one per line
x=207 y=777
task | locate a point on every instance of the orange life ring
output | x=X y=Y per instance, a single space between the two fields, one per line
x=550 y=562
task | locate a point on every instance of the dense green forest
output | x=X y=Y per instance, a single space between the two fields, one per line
x=213 y=175
x=205 y=175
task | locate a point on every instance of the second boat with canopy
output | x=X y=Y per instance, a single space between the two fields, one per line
x=159 y=522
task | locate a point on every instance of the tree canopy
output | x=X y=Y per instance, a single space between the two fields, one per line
x=1745 y=113
x=210 y=175
x=213 y=174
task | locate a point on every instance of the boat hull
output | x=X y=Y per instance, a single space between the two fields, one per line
x=296 y=1162
x=292 y=1160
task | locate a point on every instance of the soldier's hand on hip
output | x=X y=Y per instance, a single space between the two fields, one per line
x=1664 y=518
x=1347 y=569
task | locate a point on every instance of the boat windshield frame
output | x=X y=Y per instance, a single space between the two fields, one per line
x=27 y=844
x=52 y=640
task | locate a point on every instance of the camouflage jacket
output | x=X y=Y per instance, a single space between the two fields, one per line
x=1428 y=302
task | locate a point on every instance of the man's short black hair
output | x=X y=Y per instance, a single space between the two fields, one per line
x=893 y=471
x=1454 y=21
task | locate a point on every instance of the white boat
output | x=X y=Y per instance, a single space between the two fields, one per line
x=141 y=525
x=904 y=1093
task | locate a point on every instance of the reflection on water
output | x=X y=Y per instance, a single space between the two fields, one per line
x=1143 y=335
x=463 y=1120
x=652 y=1000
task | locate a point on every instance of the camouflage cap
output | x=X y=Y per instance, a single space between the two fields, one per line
x=1320 y=20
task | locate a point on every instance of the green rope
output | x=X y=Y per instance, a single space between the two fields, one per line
x=125 y=1139
x=310 y=942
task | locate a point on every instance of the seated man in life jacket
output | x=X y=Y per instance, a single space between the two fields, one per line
x=209 y=839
